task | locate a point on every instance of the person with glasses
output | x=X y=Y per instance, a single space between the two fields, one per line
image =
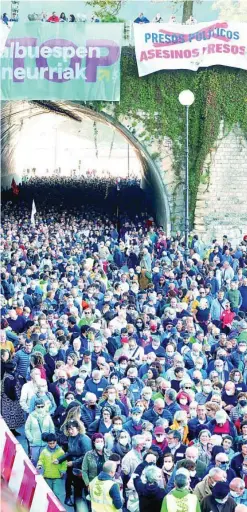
x=175 y=446
x=38 y=423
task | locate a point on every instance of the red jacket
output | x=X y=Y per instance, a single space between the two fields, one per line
x=227 y=317
x=53 y=19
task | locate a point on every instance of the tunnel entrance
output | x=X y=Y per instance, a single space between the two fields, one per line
x=86 y=156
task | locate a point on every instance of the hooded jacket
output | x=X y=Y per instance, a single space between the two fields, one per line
x=150 y=496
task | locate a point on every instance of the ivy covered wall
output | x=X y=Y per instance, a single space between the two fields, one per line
x=220 y=94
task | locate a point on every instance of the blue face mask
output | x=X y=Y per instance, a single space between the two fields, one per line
x=224 y=466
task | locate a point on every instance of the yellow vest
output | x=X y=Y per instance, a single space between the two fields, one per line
x=186 y=504
x=101 y=500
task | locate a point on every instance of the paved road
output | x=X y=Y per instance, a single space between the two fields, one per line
x=61 y=495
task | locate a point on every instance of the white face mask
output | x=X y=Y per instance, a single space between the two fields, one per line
x=123 y=441
x=99 y=445
x=148 y=445
x=118 y=427
x=183 y=401
x=207 y=389
x=221 y=501
x=168 y=466
x=192 y=473
x=234 y=494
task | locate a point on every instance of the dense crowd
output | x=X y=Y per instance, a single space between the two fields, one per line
x=125 y=363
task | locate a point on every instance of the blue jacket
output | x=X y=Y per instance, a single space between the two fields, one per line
x=133 y=428
x=152 y=416
x=98 y=388
x=211 y=425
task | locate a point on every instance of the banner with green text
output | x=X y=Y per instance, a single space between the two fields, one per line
x=79 y=61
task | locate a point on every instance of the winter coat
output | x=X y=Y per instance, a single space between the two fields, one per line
x=202 y=489
x=36 y=426
x=89 y=415
x=209 y=504
x=78 y=446
x=46 y=459
x=90 y=465
x=150 y=496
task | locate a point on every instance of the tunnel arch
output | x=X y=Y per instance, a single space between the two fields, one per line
x=14 y=113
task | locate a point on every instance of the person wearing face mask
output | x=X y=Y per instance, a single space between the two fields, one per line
x=96 y=384
x=237 y=356
x=229 y=396
x=61 y=411
x=104 y=423
x=202 y=396
x=167 y=468
x=60 y=387
x=52 y=473
x=110 y=399
x=90 y=411
x=134 y=425
x=78 y=445
x=38 y=423
x=79 y=390
x=237 y=377
x=94 y=459
x=146 y=396
x=134 y=457
x=143 y=369
x=191 y=357
x=219 y=500
x=222 y=461
x=238 y=491
x=122 y=366
x=122 y=443
x=53 y=355
x=222 y=425
x=184 y=400
x=42 y=392
x=204 y=488
x=157 y=412
x=160 y=438
x=136 y=384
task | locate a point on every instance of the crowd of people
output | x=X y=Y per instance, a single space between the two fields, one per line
x=125 y=362
x=80 y=17
x=87 y=190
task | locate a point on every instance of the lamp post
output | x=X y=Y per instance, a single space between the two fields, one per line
x=186 y=98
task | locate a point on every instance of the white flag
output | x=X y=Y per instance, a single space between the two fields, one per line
x=33 y=213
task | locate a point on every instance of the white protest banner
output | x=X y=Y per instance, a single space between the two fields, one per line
x=172 y=46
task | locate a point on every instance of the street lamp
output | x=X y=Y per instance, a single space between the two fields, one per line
x=186 y=98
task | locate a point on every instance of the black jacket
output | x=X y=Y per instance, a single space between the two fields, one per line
x=150 y=496
x=209 y=504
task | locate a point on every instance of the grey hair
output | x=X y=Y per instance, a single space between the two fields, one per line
x=214 y=471
x=137 y=440
x=109 y=466
x=171 y=394
x=152 y=474
x=181 y=480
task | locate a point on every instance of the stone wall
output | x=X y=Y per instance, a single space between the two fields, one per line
x=221 y=206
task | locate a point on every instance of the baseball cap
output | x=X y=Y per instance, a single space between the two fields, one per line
x=159 y=430
x=220 y=490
